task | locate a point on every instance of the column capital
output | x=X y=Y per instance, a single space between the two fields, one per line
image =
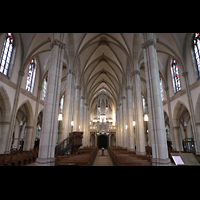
x=167 y=88
x=29 y=127
x=185 y=73
x=129 y=87
x=78 y=87
x=21 y=73
x=39 y=87
x=149 y=43
x=8 y=123
x=58 y=43
x=70 y=71
x=136 y=72
x=123 y=97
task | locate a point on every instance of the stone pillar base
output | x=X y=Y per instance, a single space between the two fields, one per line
x=197 y=153
x=161 y=162
x=140 y=153
x=131 y=150
x=45 y=162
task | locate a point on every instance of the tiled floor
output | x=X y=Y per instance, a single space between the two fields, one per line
x=103 y=160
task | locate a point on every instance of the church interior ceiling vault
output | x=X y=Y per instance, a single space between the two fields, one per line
x=104 y=58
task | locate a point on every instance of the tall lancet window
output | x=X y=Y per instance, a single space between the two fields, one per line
x=175 y=76
x=6 y=54
x=31 y=75
x=144 y=105
x=161 y=89
x=197 y=52
x=61 y=104
x=44 y=91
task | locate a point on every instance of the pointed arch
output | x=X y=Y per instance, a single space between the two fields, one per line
x=29 y=112
x=5 y=104
x=176 y=113
x=197 y=110
x=5 y=115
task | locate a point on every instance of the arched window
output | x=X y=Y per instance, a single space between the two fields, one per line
x=175 y=76
x=44 y=88
x=6 y=54
x=61 y=104
x=161 y=89
x=144 y=104
x=197 y=52
x=31 y=76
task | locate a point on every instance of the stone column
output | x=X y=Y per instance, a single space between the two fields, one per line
x=4 y=130
x=81 y=117
x=138 y=113
x=198 y=129
x=124 y=122
x=117 y=125
x=77 y=108
x=130 y=132
x=14 y=111
x=28 y=138
x=77 y=99
x=171 y=130
x=67 y=109
x=36 y=117
x=178 y=139
x=156 y=116
x=121 y=126
x=191 y=106
x=50 y=118
x=85 y=125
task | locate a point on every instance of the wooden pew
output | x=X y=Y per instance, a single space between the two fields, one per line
x=121 y=157
x=7 y=159
x=18 y=158
x=85 y=157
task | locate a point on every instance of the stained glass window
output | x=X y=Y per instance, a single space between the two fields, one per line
x=144 y=104
x=175 y=76
x=197 y=52
x=31 y=76
x=161 y=89
x=61 y=104
x=44 y=88
x=6 y=54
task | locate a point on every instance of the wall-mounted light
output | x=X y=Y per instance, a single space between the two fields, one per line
x=72 y=124
x=126 y=126
x=134 y=123
x=60 y=117
x=146 y=118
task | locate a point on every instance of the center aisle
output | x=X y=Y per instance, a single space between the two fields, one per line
x=103 y=160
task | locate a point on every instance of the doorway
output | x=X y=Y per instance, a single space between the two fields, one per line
x=102 y=141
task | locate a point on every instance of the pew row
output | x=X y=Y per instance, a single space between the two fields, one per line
x=122 y=157
x=85 y=157
x=18 y=158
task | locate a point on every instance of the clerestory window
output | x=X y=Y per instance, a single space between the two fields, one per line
x=6 y=54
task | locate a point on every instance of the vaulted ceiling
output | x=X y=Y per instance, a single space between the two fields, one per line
x=103 y=60
x=102 y=57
